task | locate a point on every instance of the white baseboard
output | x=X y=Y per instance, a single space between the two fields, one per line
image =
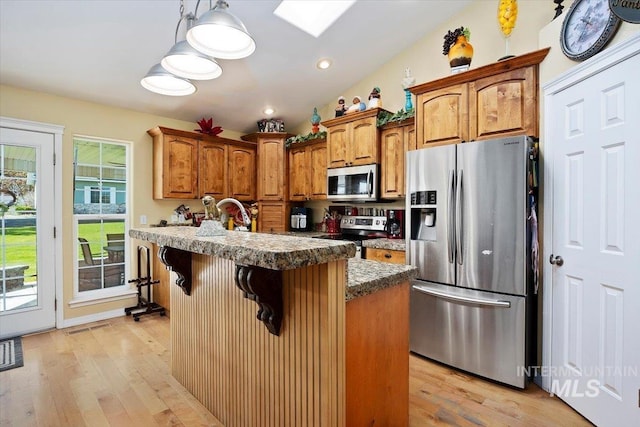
x=81 y=320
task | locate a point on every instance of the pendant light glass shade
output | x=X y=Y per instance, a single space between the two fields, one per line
x=219 y=34
x=161 y=81
x=184 y=61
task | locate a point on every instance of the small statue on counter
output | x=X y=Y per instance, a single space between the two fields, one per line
x=315 y=121
x=211 y=211
x=341 y=109
x=358 y=105
x=374 y=98
x=210 y=224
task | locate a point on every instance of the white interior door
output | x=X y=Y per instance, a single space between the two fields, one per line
x=27 y=246
x=594 y=257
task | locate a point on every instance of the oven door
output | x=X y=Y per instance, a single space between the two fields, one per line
x=353 y=183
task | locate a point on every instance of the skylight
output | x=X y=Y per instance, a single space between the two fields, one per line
x=312 y=16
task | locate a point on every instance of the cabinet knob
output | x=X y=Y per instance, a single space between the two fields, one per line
x=387 y=255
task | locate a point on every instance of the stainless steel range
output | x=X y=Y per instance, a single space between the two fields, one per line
x=357 y=228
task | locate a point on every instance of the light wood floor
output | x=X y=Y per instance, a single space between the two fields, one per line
x=116 y=373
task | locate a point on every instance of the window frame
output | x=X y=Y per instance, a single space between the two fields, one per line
x=124 y=290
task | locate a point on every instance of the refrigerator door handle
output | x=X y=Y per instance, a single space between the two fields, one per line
x=450 y=219
x=463 y=299
x=458 y=230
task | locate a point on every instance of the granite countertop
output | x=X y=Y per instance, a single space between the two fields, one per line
x=389 y=244
x=365 y=277
x=273 y=251
x=283 y=252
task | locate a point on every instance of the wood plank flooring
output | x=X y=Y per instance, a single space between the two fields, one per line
x=116 y=373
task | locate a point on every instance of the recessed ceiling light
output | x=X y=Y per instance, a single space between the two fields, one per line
x=312 y=16
x=268 y=111
x=323 y=63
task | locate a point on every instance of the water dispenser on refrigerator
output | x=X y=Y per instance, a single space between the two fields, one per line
x=423 y=215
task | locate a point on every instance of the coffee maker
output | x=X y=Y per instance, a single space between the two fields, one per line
x=395 y=223
x=300 y=219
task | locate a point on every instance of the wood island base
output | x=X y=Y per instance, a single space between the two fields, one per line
x=334 y=363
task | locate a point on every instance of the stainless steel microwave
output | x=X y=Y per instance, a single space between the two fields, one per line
x=354 y=183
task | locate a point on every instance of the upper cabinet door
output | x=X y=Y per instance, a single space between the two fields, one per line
x=443 y=116
x=318 y=171
x=504 y=104
x=213 y=178
x=337 y=140
x=299 y=173
x=272 y=167
x=242 y=173
x=364 y=142
x=180 y=168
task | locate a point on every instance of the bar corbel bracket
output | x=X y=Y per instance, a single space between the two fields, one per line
x=178 y=261
x=264 y=286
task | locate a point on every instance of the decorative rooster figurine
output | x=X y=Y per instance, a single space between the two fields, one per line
x=206 y=127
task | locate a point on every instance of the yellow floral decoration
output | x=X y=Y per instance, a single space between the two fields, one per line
x=507 y=14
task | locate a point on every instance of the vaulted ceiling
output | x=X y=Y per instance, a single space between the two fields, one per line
x=99 y=50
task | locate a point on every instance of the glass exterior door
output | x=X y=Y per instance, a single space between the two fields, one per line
x=27 y=285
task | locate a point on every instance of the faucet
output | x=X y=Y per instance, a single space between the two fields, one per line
x=243 y=211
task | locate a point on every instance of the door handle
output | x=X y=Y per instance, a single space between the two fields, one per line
x=459 y=223
x=370 y=182
x=450 y=219
x=463 y=299
x=557 y=260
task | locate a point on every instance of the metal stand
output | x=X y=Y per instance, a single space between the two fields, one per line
x=145 y=306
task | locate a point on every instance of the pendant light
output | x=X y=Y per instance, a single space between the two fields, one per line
x=161 y=81
x=184 y=61
x=220 y=34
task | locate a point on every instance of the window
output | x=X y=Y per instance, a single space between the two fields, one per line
x=100 y=214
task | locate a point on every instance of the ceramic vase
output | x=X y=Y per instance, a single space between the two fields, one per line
x=461 y=52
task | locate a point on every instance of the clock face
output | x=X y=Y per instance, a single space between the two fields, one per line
x=587 y=28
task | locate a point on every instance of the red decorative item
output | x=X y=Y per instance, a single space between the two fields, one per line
x=206 y=127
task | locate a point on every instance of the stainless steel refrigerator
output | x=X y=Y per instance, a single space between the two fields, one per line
x=468 y=233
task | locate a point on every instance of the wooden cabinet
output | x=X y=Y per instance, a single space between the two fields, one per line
x=386 y=255
x=272 y=176
x=447 y=113
x=272 y=180
x=273 y=217
x=308 y=171
x=189 y=165
x=505 y=104
x=242 y=172
x=353 y=139
x=175 y=163
x=213 y=180
x=499 y=99
x=395 y=140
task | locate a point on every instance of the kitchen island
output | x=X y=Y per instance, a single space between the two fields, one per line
x=276 y=330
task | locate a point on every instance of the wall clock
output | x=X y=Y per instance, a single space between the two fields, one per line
x=587 y=28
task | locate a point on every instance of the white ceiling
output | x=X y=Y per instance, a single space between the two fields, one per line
x=98 y=50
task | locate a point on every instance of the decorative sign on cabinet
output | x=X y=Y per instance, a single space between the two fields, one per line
x=499 y=99
x=190 y=165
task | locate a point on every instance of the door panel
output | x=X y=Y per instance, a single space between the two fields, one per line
x=463 y=328
x=431 y=243
x=492 y=195
x=595 y=351
x=27 y=263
